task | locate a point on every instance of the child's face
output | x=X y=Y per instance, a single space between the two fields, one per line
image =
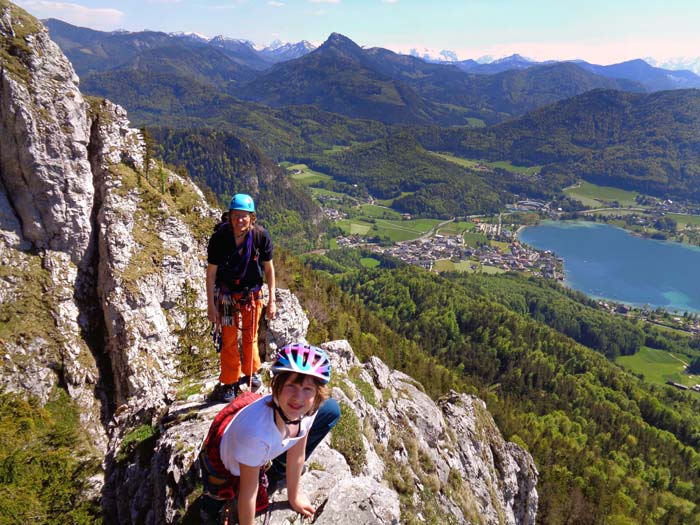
x=297 y=396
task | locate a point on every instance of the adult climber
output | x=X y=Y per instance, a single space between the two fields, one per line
x=239 y=255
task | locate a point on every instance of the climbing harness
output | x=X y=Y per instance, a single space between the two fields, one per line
x=218 y=483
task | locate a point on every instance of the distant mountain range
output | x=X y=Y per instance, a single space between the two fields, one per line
x=342 y=77
x=691 y=64
x=92 y=51
x=376 y=83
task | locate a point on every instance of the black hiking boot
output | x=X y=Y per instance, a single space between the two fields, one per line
x=253 y=384
x=224 y=393
x=229 y=392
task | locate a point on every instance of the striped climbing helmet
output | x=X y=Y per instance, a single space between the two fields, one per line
x=303 y=359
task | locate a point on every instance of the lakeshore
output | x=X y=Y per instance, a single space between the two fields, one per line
x=610 y=263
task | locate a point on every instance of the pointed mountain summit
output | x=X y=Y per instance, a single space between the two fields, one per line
x=341 y=78
x=341 y=42
x=337 y=43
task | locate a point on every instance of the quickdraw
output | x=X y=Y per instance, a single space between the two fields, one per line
x=231 y=304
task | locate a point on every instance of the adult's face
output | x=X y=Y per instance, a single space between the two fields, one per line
x=240 y=220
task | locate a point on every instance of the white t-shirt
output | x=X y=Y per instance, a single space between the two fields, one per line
x=252 y=437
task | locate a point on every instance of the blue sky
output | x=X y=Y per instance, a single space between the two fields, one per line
x=602 y=32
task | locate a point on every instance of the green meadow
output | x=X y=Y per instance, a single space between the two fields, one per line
x=475 y=239
x=456 y=228
x=322 y=191
x=693 y=220
x=658 y=366
x=395 y=230
x=445 y=265
x=379 y=212
x=369 y=262
x=473 y=164
x=594 y=196
x=305 y=175
x=390 y=202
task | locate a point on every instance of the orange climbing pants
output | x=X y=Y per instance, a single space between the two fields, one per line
x=244 y=316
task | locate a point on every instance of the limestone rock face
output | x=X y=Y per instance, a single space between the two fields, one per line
x=44 y=134
x=96 y=261
x=289 y=325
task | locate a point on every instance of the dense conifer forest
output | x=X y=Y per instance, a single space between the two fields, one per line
x=610 y=448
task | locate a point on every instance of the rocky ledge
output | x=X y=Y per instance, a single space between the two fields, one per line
x=397 y=456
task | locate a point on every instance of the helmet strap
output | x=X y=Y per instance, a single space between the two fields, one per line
x=286 y=420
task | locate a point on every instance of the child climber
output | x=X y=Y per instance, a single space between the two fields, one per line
x=278 y=431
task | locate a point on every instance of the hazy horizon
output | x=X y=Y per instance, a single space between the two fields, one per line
x=540 y=30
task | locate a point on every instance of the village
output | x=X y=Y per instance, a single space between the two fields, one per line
x=427 y=251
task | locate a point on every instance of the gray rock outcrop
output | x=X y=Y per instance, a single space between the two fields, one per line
x=97 y=261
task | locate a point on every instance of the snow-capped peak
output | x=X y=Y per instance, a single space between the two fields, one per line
x=433 y=55
x=677 y=63
x=191 y=35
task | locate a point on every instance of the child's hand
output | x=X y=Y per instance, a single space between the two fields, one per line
x=302 y=505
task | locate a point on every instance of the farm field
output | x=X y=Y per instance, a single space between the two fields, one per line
x=456 y=228
x=658 y=366
x=616 y=212
x=472 y=163
x=379 y=212
x=693 y=220
x=305 y=175
x=445 y=265
x=369 y=262
x=474 y=239
x=389 y=202
x=595 y=196
x=395 y=230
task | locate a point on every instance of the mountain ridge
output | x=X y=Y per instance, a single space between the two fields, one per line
x=342 y=77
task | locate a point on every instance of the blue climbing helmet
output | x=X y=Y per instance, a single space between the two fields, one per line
x=303 y=359
x=241 y=201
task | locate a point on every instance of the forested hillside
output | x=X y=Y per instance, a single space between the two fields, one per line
x=424 y=184
x=228 y=164
x=610 y=448
x=178 y=101
x=649 y=143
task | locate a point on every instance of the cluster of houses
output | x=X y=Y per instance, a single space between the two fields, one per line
x=680 y=386
x=425 y=252
x=333 y=214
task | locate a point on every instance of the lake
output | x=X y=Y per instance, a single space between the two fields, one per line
x=606 y=262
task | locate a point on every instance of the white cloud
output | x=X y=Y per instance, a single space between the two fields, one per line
x=274 y=3
x=163 y=1
x=105 y=18
x=390 y=1
x=324 y=1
